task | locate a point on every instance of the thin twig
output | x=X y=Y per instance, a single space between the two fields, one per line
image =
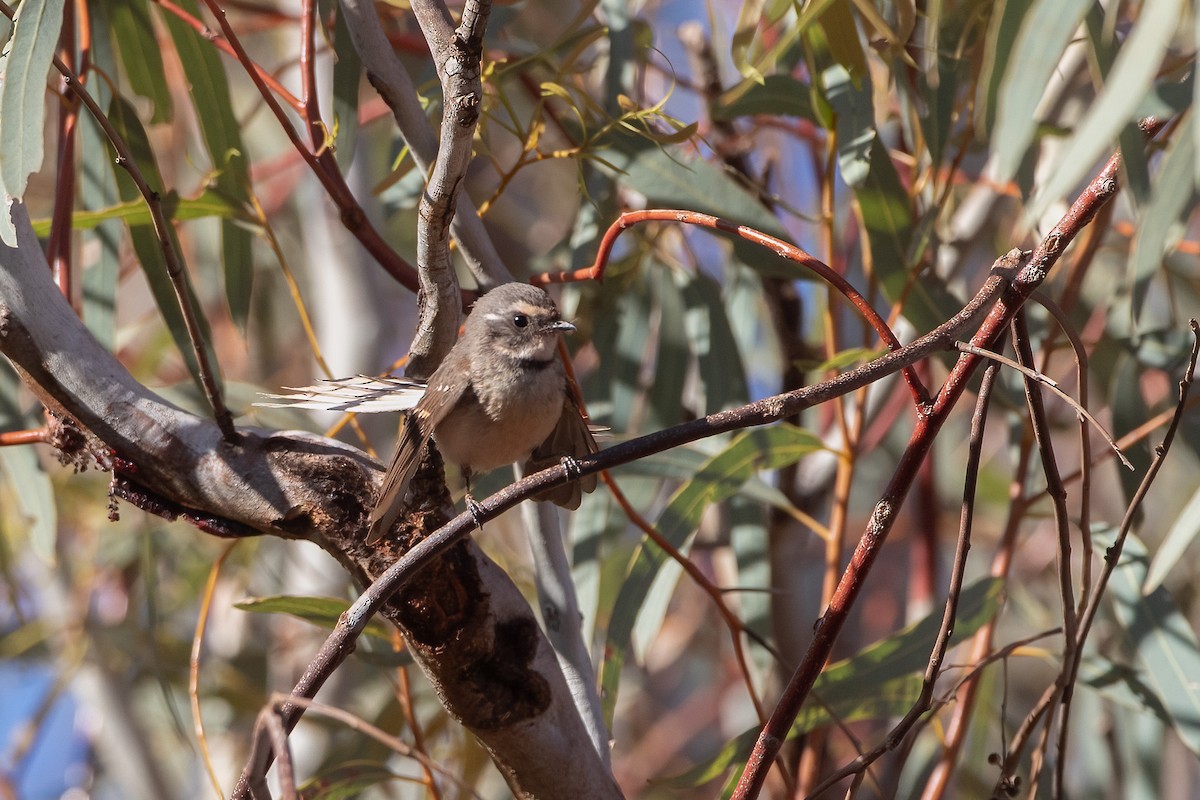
x=1085 y=504
x=778 y=246
x=1052 y=385
x=206 y=599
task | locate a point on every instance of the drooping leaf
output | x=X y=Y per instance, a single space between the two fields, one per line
x=32 y=499
x=1160 y=222
x=745 y=33
x=845 y=46
x=777 y=95
x=148 y=247
x=850 y=99
x=710 y=337
x=1129 y=81
x=347 y=76
x=1183 y=532
x=23 y=92
x=205 y=72
x=29 y=506
x=98 y=189
x=347 y=780
x=887 y=218
x=1044 y=34
x=1167 y=651
x=141 y=54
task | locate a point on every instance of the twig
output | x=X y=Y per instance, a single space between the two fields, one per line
x=210 y=586
x=1033 y=375
x=778 y=246
x=1085 y=491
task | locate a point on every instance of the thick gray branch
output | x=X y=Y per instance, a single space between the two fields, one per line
x=387 y=75
x=457 y=54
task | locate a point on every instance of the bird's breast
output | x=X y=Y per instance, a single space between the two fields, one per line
x=503 y=418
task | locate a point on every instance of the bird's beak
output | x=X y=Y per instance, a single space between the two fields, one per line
x=560 y=326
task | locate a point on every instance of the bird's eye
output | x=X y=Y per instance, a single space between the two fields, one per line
x=520 y=320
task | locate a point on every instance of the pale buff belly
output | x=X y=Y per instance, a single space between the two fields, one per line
x=481 y=437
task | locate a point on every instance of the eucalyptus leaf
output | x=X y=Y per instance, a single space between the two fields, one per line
x=1167 y=651
x=1129 y=81
x=1044 y=34
x=23 y=92
x=320 y=611
x=219 y=126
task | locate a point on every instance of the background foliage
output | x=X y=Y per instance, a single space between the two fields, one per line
x=904 y=144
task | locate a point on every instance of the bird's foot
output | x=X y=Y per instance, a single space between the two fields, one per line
x=477 y=512
x=572 y=468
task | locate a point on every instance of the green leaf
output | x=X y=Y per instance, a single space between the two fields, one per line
x=320 y=611
x=745 y=33
x=98 y=189
x=141 y=54
x=31 y=500
x=1129 y=81
x=347 y=75
x=887 y=218
x=135 y=212
x=720 y=477
x=222 y=136
x=1001 y=44
x=845 y=46
x=1047 y=29
x=665 y=406
x=147 y=245
x=670 y=178
x=1160 y=221
x=850 y=99
x=23 y=93
x=1168 y=654
x=777 y=95
x=710 y=337
x=848 y=358
x=1177 y=540
x=347 y=780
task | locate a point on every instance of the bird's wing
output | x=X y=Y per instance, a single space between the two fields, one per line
x=439 y=399
x=572 y=436
x=363 y=394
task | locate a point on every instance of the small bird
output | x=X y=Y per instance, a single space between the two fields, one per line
x=500 y=396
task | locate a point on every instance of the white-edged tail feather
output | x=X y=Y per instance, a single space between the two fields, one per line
x=362 y=394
